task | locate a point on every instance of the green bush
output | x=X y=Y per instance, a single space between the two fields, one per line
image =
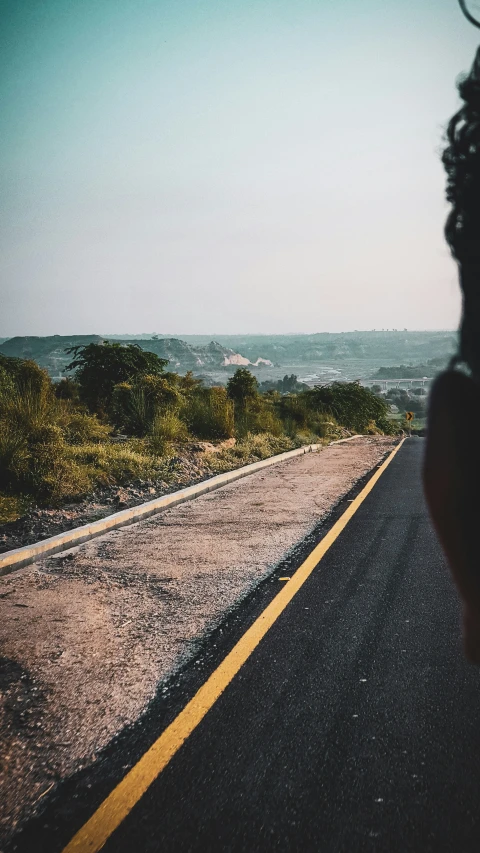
x=6 y=383
x=33 y=461
x=30 y=437
x=35 y=427
x=67 y=389
x=209 y=414
x=14 y=458
x=11 y=507
x=352 y=405
x=259 y=417
x=300 y=418
x=136 y=404
x=81 y=428
x=166 y=429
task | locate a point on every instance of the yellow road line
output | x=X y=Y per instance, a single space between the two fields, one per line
x=115 y=808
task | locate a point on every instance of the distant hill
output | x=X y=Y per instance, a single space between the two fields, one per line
x=398 y=346
x=183 y=356
x=48 y=352
x=51 y=352
x=313 y=357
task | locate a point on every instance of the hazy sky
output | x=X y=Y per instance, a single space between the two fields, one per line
x=202 y=166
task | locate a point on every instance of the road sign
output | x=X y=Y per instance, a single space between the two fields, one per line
x=409 y=416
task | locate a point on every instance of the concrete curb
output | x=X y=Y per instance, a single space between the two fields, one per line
x=10 y=561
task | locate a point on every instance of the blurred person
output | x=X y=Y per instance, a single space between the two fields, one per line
x=452 y=459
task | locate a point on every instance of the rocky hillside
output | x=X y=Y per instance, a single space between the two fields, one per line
x=51 y=352
x=404 y=347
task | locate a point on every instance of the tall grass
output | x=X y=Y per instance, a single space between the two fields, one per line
x=36 y=429
x=166 y=429
x=110 y=464
x=209 y=414
x=251 y=448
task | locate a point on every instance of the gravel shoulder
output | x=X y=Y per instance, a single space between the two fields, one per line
x=87 y=635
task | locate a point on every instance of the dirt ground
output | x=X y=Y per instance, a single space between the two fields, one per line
x=87 y=635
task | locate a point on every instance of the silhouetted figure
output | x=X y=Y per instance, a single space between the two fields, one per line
x=452 y=459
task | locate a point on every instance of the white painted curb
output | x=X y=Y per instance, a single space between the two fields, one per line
x=20 y=557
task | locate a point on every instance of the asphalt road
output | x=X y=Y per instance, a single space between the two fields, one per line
x=355 y=724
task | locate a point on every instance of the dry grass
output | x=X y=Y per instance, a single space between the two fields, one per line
x=108 y=464
x=251 y=448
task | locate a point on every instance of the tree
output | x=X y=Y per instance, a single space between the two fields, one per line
x=350 y=404
x=289 y=384
x=99 y=367
x=242 y=387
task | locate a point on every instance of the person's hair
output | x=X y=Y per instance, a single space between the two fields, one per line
x=461 y=159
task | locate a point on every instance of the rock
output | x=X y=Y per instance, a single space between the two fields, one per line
x=121 y=498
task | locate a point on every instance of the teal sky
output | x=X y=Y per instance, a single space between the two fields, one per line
x=192 y=166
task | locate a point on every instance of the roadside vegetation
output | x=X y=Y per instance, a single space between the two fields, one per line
x=122 y=416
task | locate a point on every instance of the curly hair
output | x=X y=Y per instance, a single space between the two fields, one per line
x=461 y=159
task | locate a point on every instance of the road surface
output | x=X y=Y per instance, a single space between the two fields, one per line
x=354 y=725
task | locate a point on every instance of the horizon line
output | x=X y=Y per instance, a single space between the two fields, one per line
x=180 y=335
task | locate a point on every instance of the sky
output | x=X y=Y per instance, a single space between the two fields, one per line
x=202 y=166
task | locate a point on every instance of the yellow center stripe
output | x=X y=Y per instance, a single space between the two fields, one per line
x=115 y=808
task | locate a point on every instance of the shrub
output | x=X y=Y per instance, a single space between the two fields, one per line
x=260 y=417
x=29 y=436
x=14 y=457
x=82 y=428
x=129 y=409
x=6 y=383
x=166 y=428
x=136 y=404
x=26 y=375
x=349 y=403
x=55 y=478
x=33 y=461
x=294 y=411
x=209 y=413
x=67 y=389
x=11 y=507
x=34 y=424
